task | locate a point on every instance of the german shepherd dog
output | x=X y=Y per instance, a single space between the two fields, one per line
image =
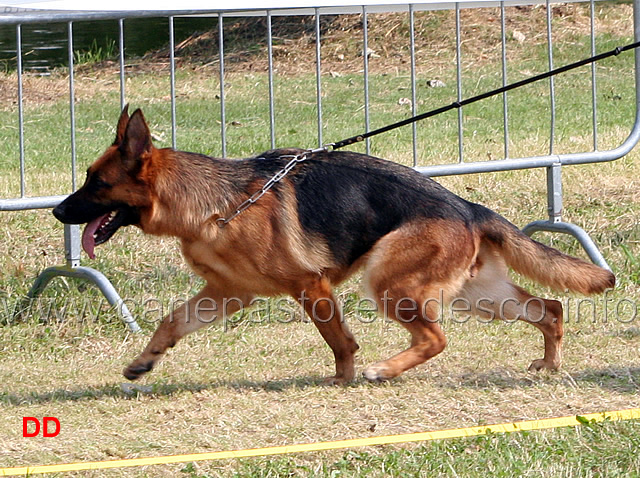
x=332 y=214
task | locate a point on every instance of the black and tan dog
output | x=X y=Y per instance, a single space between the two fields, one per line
x=332 y=214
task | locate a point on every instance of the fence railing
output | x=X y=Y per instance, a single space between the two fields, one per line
x=551 y=161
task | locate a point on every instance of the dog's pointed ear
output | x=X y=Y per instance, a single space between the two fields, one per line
x=137 y=138
x=122 y=124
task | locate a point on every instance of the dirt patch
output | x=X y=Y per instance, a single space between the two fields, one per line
x=294 y=44
x=35 y=89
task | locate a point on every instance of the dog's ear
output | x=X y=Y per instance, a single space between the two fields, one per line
x=137 y=139
x=122 y=124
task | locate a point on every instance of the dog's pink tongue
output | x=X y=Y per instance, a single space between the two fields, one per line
x=88 y=241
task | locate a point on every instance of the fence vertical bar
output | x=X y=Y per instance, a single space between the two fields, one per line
x=505 y=101
x=414 y=126
x=72 y=108
x=272 y=111
x=121 y=60
x=459 y=85
x=172 y=74
x=552 y=90
x=555 y=223
x=365 y=56
x=554 y=192
x=594 y=88
x=20 y=110
x=223 y=113
x=72 y=232
x=318 y=79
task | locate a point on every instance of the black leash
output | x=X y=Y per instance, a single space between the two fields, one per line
x=459 y=104
x=295 y=159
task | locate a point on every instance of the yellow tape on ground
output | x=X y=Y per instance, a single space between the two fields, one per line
x=542 y=424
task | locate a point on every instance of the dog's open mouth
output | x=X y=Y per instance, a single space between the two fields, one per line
x=100 y=230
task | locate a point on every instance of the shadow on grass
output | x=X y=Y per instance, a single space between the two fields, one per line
x=621 y=380
x=499 y=378
x=615 y=379
x=159 y=390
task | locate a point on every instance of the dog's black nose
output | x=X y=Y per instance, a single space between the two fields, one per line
x=58 y=212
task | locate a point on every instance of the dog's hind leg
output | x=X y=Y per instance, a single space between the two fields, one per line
x=547 y=316
x=490 y=294
x=412 y=272
x=324 y=311
x=427 y=339
x=206 y=308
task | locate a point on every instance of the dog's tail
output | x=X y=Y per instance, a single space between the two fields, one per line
x=542 y=263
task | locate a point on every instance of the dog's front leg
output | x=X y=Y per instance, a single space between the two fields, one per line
x=321 y=305
x=208 y=307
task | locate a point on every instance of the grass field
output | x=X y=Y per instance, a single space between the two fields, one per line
x=258 y=382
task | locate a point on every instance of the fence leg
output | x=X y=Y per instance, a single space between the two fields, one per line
x=75 y=270
x=555 y=223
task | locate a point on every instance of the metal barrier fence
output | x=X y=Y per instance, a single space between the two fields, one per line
x=552 y=161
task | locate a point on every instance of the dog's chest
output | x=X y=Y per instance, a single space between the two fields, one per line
x=227 y=268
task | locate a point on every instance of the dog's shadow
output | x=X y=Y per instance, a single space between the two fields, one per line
x=622 y=380
x=625 y=380
x=130 y=390
x=615 y=379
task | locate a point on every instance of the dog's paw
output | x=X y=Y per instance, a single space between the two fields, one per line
x=331 y=381
x=541 y=364
x=136 y=370
x=377 y=373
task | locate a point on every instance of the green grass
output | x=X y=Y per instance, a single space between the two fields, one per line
x=259 y=383
x=96 y=53
x=565 y=452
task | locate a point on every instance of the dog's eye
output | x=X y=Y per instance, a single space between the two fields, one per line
x=98 y=183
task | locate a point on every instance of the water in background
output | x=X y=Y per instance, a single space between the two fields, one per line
x=44 y=46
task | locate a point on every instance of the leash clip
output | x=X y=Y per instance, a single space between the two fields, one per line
x=327 y=148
